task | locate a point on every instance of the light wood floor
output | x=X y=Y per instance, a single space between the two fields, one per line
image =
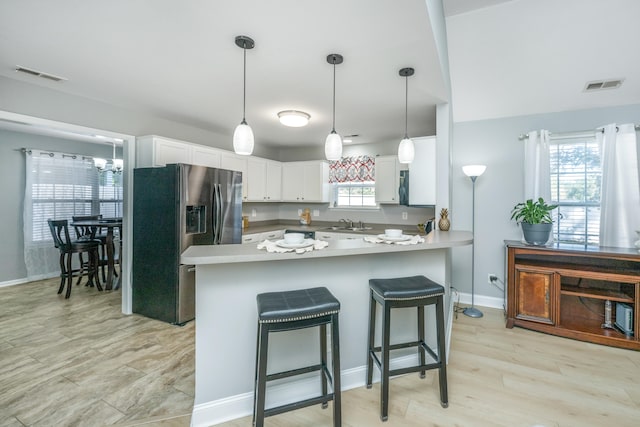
x=80 y=362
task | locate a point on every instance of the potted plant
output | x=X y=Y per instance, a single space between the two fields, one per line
x=535 y=218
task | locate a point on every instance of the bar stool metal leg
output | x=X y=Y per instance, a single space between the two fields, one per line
x=371 y=343
x=323 y=362
x=335 y=357
x=442 y=357
x=261 y=385
x=421 y=350
x=384 y=361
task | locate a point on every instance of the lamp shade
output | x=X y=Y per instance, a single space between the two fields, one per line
x=406 y=151
x=333 y=146
x=294 y=118
x=243 y=139
x=99 y=163
x=117 y=165
x=474 y=170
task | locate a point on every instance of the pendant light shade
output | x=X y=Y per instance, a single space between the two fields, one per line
x=243 y=135
x=406 y=149
x=333 y=143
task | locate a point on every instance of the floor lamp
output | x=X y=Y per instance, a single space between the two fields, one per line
x=473 y=172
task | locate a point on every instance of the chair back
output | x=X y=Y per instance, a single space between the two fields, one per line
x=85 y=231
x=60 y=233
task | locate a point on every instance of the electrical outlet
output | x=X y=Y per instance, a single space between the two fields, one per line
x=492 y=278
x=404 y=215
x=254 y=213
x=299 y=212
x=316 y=212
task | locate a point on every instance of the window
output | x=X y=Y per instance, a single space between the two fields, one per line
x=353 y=180
x=355 y=194
x=576 y=178
x=60 y=186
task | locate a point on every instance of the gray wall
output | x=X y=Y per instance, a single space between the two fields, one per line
x=495 y=143
x=12 y=181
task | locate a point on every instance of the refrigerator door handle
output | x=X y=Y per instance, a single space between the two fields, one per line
x=217 y=214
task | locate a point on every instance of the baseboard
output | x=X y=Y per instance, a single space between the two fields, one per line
x=241 y=405
x=27 y=280
x=480 y=300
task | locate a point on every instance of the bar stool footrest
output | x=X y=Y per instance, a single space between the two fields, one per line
x=291 y=373
x=298 y=405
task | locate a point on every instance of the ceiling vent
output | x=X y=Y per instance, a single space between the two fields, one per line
x=36 y=73
x=603 y=84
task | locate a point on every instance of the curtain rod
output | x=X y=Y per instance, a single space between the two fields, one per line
x=575 y=134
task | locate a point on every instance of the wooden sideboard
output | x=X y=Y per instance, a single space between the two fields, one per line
x=562 y=290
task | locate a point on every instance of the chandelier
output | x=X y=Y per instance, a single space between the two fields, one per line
x=116 y=165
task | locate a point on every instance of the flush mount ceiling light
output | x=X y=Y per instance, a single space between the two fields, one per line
x=243 y=135
x=333 y=143
x=294 y=118
x=406 y=150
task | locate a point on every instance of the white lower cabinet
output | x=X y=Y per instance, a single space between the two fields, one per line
x=305 y=181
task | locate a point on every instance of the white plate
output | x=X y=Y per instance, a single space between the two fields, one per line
x=305 y=243
x=402 y=238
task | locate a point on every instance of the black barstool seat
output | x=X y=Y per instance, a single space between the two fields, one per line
x=295 y=305
x=405 y=288
x=403 y=292
x=290 y=310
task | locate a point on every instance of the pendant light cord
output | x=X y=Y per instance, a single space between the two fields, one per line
x=244 y=83
x=406 y=103
x=333 y=127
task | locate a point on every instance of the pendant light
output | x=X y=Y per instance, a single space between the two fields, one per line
x=243 y=135
x=406 y=150
x=333 y=143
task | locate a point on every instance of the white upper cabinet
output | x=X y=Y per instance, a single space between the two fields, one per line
x=206 y=156
x=264 y=180
x=305 y=181
x=236 y=162
x=154 y=151
x=422 y=172
x=387 y=179
x=157 y=151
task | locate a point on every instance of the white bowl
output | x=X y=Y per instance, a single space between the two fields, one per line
x=293 y=238
x=392 y=232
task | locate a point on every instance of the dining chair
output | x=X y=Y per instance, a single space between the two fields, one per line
x=67 y=247
x=90 y=232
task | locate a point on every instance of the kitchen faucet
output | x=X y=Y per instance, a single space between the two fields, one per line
x=347 y=222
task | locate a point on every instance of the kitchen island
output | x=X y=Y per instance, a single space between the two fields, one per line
x=228 y=278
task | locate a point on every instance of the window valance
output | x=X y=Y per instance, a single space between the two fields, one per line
x=352 y=169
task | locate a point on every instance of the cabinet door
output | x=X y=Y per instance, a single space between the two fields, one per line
x=387 y=179
x=238 y=163
x=256 y=185
x=422 y=172
x=166 y=152
x=292 y=181
x=204 y=156
x=534 y=295
x=274 y=181
x=316 y=182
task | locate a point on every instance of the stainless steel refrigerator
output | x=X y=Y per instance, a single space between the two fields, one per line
x=175 y=207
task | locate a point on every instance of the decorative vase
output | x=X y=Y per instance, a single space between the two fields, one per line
x=536 y=234
x=444 y=222
x=637 y=243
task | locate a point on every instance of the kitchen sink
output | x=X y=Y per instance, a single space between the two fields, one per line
x=338 y=228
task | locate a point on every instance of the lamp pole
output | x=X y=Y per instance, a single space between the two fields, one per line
x=473 y=172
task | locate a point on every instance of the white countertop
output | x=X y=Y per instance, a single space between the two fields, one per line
x=229 y=254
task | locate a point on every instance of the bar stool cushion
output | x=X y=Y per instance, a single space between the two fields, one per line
x=405 y=288
x=287 y=306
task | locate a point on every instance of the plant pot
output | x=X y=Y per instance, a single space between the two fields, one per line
x=536 y=234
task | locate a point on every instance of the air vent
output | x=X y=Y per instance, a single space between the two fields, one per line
x=603 y=84
x=36 y=73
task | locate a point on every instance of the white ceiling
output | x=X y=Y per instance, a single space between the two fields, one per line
x=178 y=60
x=527 y=57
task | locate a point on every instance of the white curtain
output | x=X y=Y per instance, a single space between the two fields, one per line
x=58 y=186
x=537 y=177
x=620 y=197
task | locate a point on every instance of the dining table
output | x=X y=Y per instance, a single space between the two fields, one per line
x=110 y=224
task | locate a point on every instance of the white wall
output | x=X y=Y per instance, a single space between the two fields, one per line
x=495 y=143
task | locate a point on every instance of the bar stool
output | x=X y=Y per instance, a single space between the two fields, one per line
x=416 y=291
x=287 y=311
